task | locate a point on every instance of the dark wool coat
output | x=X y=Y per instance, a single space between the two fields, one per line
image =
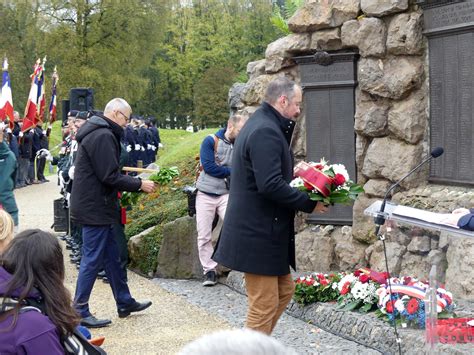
x=258 y=232
x=97 y=177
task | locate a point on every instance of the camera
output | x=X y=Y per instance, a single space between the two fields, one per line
x=191 y=192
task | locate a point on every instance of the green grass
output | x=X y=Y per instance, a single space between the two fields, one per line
x=180 y=145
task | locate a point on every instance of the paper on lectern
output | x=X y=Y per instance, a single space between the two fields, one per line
x=431 y=217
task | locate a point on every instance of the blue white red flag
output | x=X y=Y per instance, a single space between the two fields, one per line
x=41 y=102
x=6 y=100
x=31 y=111
x=52 y=105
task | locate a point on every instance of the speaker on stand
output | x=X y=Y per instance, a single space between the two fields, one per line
x=81 y=99
x=64 y=111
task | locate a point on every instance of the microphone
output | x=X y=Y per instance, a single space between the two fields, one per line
x=380 y=219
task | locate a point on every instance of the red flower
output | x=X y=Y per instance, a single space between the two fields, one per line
x=339 y=179
x=412 y=306
x=308 y=186
x=346 y=288
x=364 y=278
x=357 y=273
x=319 y=166
x=389 y=307
x=324 y=282
x=407 y=280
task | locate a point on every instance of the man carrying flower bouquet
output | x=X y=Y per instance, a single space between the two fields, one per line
x=257 y=237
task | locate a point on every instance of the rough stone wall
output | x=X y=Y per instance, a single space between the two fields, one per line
x=392 y=134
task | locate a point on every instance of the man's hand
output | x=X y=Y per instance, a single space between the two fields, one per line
x=320 y=208
x=148 y=186
x=462 y=211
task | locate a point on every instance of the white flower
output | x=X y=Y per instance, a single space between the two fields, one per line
x=348 y=278
x=340 y=169
x=399 y=305
x=315 y=283
x=334 y=285
x=297 y=182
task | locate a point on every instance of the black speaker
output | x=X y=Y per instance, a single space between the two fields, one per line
x=81 y=99
x=61 y=215
x=64 y=110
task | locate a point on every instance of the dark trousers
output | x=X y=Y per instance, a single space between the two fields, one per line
x=40 y=165
x=22 y=173
x=99 y=249
x=119 y=231
x=31 y=171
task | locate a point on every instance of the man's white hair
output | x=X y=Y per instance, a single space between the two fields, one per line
x=117 y=104
x=236 y=342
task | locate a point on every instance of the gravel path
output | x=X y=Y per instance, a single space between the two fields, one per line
x=182 y=310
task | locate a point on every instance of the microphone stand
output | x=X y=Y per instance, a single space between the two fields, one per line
x=379 y=222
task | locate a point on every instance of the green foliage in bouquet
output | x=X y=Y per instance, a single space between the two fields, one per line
x=316 y=288
x=162 y=177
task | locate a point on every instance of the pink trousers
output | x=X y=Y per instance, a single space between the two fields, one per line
x=206 y=208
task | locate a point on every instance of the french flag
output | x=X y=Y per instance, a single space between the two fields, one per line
x=31 y=115
x=6 y=100
x=52 y=105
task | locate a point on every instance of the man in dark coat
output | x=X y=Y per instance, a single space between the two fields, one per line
x=94 y=204
x=258 y=233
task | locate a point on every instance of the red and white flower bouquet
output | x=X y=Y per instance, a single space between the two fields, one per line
x=328 y=183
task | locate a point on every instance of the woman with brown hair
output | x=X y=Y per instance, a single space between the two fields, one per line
x=36 y=312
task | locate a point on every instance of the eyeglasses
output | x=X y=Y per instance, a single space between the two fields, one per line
x=126 y=118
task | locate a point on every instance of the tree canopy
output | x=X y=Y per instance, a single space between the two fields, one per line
x=173 y=59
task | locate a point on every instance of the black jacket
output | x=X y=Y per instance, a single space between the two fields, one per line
x=97 y=177
x=258 y=232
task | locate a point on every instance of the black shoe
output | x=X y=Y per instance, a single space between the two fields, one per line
x=93 y=322
x=135 y=307
x=101 y=274
x=105 y=280
x=44 y=180
x=210 y=279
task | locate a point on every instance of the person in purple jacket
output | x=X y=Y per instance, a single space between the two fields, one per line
x=31 y=278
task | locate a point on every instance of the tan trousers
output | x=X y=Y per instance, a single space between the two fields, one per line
x=268 y=297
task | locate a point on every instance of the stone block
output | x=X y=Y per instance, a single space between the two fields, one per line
x=391 y=159
x=256 y=68
x=416 y=266
x=381 y=8
x=371 y=117
x=460 y=272
x=420 y=245
x=326 y=40
x=404 y=36
x=279 y=53
x=135 y=244
x=350 y=253
x=407 y=119
x=376 y=258
x=363 y=228
x=393 y=78
x=254 y=90
x=315 y=250
x=368 y=34
x=376 y=187
x=317 y=15
x=178 y=257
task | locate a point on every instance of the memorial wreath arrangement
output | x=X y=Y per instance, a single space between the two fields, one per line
x=324 y=182
x=366 y=290
x=406 y=303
